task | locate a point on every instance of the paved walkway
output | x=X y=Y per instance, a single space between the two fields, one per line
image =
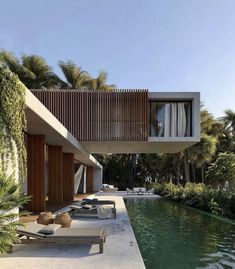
x=120 y=250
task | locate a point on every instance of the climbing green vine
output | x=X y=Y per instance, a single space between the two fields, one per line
x=12 y=122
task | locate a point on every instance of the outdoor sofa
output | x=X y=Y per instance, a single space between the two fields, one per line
x=31 y=233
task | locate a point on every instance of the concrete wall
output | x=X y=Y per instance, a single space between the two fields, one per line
x=97 y=178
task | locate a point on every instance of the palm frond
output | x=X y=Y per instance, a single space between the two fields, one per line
x=11 y=199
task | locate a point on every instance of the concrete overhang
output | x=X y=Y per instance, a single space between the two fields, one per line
x=156 y=145
x=40 y=121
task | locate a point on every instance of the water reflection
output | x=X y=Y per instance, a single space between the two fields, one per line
x=173 y=236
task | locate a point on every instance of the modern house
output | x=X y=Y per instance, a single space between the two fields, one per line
x=65 y=127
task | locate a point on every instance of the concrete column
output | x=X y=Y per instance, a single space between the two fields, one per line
x=55 y=175
x=97 y=178
x=68 y=177
x=36 y=172
x=84 y=179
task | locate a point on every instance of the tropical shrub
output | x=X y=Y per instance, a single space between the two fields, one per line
x=222 y=170
x=11 y=198
x=216 y=201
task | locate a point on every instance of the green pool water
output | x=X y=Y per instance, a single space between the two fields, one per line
x=171 y=236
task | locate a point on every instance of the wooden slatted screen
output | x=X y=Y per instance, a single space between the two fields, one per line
x=55 y=175
x=100 y=116
x=68 y=177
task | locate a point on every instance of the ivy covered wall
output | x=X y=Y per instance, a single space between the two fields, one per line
x=12 y=123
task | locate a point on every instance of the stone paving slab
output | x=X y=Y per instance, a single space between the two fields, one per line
x=120 y=250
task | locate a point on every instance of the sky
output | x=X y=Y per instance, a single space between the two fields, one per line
x=159 y=45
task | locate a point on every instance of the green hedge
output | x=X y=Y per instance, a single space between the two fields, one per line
x=218 y=202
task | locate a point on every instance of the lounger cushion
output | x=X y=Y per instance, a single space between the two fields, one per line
x=78 y=233
x=49 y=229
x=90 y=200
x=73 y=206
x=87 y=206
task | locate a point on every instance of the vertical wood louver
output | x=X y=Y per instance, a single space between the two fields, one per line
x=98 y=115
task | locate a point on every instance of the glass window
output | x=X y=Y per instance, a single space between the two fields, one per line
x=170 y=119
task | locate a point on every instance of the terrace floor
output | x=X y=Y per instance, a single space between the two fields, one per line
x=120 y=250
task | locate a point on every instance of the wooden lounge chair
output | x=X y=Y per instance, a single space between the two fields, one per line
x=30 y=235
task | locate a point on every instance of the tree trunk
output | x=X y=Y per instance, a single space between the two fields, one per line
x=202 y=171
x=186 y=166
x=133 y=169
x=178 y=172
x=193 y=172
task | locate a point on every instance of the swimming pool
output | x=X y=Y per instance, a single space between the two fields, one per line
x=172 y=236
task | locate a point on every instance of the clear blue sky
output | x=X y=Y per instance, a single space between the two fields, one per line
x=167 y=45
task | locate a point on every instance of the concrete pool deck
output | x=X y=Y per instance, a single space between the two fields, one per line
x=120 y=250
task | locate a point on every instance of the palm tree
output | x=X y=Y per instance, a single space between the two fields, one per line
x=75 y=76
x=41 y=75
x=229 y=121
x=32 y=70
x=9 y=60
x=11 y=198
x=202 y=153
x=99 y=83
x=207 y=121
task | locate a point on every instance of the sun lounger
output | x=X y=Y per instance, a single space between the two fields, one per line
x=79 y=210
x=139 y=191
x=30 y=234
x=99 y=202
x=129 y=191
x=108 y=188
x=93 y=211
x=151 y=191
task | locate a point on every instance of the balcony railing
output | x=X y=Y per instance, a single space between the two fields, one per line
x=170 y=119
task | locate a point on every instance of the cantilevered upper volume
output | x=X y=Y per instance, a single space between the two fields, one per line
x=127 y=121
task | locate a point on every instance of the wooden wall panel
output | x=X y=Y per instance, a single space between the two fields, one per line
x=36 y=172
x=100 y=116
x=55 y=175
x=68 y=177
x=89 y=179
